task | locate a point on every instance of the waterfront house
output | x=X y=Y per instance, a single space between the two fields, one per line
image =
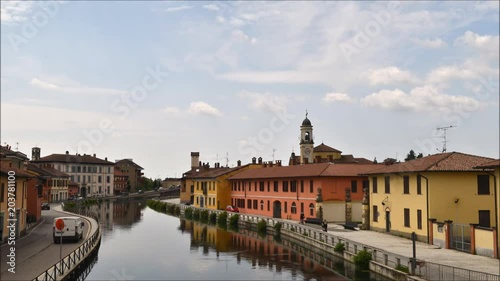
x=133 y=172
x=287 y=191
x=121 y=182
x=94 y=176
x=443 y=189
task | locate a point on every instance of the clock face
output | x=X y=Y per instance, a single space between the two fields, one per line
x=307 y=150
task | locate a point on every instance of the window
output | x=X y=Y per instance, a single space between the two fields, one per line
x=301 y=207
x=286 y=207
x=406 y=185
x=72 y=169
x=484 y=218
x=311 y=209
x=275 y=186
x=293 y=186
x=99 y=179
x=311 y=187
x=294 y=208
x=419 y=219
x=483 y=185
x=268 y=205
x=262 y=205
x=107 y=179
x=261 y=186
x=375 y=213
x=407 y=217
x=79 y=169
x=374 y=185
x=255 y=186
x=387 y=184
x=302 y=186
x=285 y=186
x=354 y=186
x=419 y=184
x=268 y=186
x=255 y=205
x=84 y=169
x=249 y=203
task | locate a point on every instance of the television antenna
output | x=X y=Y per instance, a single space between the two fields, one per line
x=274 y=150
x=445 y=140
x=227 y=159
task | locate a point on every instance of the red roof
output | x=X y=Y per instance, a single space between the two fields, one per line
x=325 y=148
x=306 y=170
x=490 y=165
x=18 y=173
x=443 y=162
x=71 y=158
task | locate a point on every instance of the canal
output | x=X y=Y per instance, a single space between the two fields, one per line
x=139 y=243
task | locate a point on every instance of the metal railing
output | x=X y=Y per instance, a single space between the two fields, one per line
x=438 y=272
x=69 y=262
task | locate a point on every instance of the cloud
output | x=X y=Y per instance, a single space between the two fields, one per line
x=202 y=108
x=487 y=6
x=241 y=36
x=220 y=19
x=269 y=77
x=45 y=85
x=211 y=7
x=337 y=97
x=178 y=8
x=421 y=99
x=431 y=43
x=15 y=11
x=485 y=43
x=265 y=101
x=390 y=75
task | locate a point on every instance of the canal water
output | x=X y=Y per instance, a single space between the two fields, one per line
x=139 y=243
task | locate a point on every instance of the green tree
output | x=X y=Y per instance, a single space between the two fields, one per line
x=410 y=156
x=420 y=155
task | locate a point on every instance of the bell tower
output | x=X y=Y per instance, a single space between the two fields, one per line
x=306 y=142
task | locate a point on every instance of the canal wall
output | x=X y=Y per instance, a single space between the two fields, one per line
x=76 y=262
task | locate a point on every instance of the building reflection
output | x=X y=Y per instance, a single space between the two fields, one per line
x=119 y=213
x=259 y=251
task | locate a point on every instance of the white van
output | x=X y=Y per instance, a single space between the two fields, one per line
x=73 y=229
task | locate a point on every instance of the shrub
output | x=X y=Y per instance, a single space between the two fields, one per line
x=170 y=208
x=262 y=227
x=233 y=221
x=362 y=260
x=222 y=220
x=177 y=210
x=196 y=214
x=204 y=216
x=402 y=268
x=188 y=213
x=212 y=218
x=339 y=247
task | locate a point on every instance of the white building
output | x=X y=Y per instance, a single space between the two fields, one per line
x=94 y=176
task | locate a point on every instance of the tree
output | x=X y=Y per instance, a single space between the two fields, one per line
x=410 y=156
x=420 y=155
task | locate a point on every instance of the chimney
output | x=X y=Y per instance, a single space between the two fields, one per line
x=67 y=152
x=270 y=164
x=278 y=163
x=265 y=164
x=105 y=158
x=260 y=160
x=239 y=163
x=35 y=153
x=195 y=160
x=94 y=155
x=254 y=160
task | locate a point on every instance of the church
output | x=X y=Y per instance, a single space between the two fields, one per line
x=321 y=153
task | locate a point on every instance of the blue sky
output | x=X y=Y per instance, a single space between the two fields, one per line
x=154 y=81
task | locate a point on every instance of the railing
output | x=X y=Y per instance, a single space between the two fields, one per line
x=327 y=241
x=70 y=261
x=438 y=272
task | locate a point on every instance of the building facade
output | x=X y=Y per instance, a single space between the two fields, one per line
x=132 y=171
x=121 y=183
x=94 y=176
x=444 y=187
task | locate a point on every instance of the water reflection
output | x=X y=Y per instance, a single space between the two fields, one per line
x=142 y=244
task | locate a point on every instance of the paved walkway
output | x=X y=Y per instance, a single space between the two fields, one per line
x=403 y=247
x=36 y=251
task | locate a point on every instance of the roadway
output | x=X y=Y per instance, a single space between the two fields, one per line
x=36 y=251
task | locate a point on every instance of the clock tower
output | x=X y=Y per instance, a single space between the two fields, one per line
x=306 y=142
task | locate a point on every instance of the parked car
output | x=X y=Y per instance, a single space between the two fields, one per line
x=45 y=206
x=232 y=209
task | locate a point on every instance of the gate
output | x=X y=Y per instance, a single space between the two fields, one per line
x=460 y=237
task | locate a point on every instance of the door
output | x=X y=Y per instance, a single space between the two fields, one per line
x=277 y=209
x=202 y=205
x=484 y=218
x=18 y=222
x=387 y=221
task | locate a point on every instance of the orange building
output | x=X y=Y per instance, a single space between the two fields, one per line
x=286 y=191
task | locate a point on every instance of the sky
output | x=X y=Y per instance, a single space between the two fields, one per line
x=154 y=81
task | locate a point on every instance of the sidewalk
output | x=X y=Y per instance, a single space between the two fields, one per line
x=403 y=247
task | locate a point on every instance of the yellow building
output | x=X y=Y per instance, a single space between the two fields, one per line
x=212 y=189
x=13 y=194
x=404 y=197
x=495 y=164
